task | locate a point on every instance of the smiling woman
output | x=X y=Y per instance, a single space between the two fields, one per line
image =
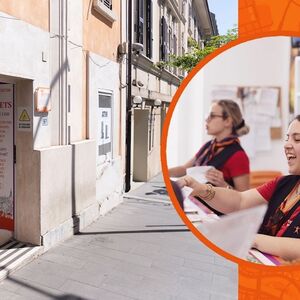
x=280 y=231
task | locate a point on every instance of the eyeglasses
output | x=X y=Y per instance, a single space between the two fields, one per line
x=211 y=116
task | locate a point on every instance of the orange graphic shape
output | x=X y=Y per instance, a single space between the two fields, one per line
x=268 y=16
x=255 y=281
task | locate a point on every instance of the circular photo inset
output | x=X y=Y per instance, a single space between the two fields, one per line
x=233 y=151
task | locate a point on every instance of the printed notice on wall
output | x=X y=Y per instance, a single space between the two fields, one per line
x=6 y=156
x=24 y=119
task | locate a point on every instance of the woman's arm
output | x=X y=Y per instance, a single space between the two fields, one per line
x=241 y=183
x=284 y=247
x=181 y=170
x=224 y=200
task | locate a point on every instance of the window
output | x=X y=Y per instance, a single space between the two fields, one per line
x=107 y=3
x=170 y=44
x=104 y=7
x=144 y=24
x=104 y=132
x=163 y=39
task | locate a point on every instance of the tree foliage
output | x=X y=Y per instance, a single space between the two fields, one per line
x=189 y=60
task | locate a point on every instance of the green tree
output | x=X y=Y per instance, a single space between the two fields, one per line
x=189 y=60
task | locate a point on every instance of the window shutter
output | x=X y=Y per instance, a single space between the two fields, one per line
x=174 y=44
x=164 y=38
x=140 y=22
x=149 y=34
x=161 y=38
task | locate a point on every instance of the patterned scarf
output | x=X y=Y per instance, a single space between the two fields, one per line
x=214 y=148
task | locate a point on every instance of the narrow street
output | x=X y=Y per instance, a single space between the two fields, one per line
x=141 y=250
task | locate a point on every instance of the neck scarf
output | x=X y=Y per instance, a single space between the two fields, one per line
x=215 y=148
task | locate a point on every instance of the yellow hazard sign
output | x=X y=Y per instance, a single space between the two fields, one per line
x=24 y=117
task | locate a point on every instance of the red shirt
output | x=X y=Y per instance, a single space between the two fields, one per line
x=236 y=165
x=267 y=189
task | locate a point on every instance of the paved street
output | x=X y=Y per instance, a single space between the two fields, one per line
x=141 y=250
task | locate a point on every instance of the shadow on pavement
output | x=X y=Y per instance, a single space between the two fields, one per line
x=134 y=231
x=42 y=292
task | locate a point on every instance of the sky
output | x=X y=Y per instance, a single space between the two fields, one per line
x=226 y=12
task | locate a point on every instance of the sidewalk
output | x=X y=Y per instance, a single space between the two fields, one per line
x=141 y=250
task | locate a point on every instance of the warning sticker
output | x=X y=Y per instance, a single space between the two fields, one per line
x=24 y=119
x=24 y=116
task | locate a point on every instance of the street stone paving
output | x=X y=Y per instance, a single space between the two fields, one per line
x=140 y=250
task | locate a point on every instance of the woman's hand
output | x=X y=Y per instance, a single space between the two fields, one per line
x=198 y=188
x=216 y=177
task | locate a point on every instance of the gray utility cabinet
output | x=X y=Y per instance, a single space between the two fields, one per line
x=146 y=143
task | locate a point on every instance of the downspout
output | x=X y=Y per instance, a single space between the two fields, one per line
x=128 y=101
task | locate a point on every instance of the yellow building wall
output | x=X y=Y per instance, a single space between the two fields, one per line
x=100 y=35
x=34 y=12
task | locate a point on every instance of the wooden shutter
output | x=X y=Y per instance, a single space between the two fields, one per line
x=149 y=25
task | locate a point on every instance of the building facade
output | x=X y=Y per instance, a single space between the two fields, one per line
x=63 y=88
x=160 y=29
x=65 y=96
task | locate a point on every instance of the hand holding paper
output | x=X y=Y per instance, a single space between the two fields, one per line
x=199 y=173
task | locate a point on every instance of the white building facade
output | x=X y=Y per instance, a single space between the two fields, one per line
x=162 y=28
x=63 y=94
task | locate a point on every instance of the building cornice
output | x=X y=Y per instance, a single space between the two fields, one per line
x=202 y=10
x=144 y=63
x=174 y=6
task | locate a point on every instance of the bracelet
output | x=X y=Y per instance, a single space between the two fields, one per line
x=210 y=193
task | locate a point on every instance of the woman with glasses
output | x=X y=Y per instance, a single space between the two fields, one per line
x=279 y=233
x=231 y=164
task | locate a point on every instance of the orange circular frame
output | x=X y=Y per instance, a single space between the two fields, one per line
x=173 y=103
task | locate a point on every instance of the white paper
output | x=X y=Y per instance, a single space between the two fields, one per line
x=196 y=214
x=236 y=231
x=263 y=133
x=198 y=173
x=268 y=101
x=224 y=92
x=186 y=191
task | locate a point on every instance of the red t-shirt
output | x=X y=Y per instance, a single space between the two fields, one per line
x=236 y=165
x=267 y=189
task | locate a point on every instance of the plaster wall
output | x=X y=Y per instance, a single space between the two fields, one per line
x=56 y=201
x=185 y=131
x=34 y=12
x=27 y=174
x=104 y=75
x=76 y=117
x=99 y=34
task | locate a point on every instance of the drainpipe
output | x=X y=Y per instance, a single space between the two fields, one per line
x=128 y=100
